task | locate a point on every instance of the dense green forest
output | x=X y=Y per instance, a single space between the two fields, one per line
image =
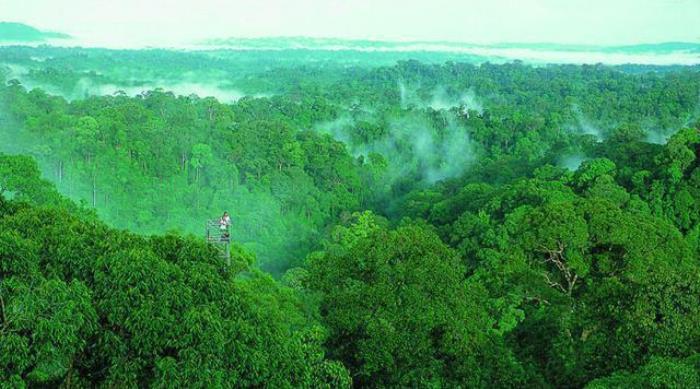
x=396 y=224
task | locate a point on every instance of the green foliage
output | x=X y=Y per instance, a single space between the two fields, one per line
x=657 y=373
x=82 y=304
x=469 y=226
x=399 y=311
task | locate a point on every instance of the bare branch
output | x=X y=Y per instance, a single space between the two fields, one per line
x=556 y=257
x=552 y=283
x=2 y=310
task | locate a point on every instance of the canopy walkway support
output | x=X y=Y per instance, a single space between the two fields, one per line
x=220 y=239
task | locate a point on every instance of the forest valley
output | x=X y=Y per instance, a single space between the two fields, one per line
x=394 y=224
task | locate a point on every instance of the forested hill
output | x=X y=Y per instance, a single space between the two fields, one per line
x=18 y=32
x=444 y=225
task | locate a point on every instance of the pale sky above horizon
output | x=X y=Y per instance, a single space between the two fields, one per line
x=168 y=22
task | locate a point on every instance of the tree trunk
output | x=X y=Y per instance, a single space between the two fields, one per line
x=94 y=185
x=94 y=191
x=60 y=172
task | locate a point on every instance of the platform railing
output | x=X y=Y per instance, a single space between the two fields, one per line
x=219 y=238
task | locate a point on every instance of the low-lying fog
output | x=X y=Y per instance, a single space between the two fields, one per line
x=494 y=53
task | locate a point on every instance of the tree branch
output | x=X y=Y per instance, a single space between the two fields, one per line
x=2 y=310
x=556 y=257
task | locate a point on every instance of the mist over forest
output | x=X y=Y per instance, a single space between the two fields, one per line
x=402 y=214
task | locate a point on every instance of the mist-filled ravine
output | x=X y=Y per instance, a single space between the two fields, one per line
x=396 y=214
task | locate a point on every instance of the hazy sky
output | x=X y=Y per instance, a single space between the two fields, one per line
x=170 y=22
